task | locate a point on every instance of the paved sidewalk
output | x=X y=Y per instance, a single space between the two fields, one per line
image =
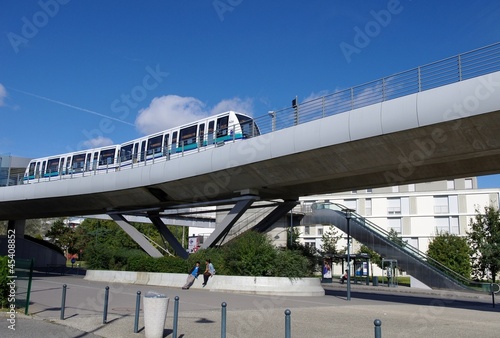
x=404 y=312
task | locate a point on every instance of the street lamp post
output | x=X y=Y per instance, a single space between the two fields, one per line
x=348 y=218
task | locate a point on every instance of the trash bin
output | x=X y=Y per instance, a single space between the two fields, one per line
x=155 y=313
x=375 y=281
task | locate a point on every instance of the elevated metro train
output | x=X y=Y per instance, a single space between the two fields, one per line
x=208 y=132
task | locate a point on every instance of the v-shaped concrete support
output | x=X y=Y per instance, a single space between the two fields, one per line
x=281 y=210
x=136 y=235
x=168 y=236
x=231 y=218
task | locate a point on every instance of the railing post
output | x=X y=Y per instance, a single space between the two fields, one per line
x=459 y=67
x=288 y=326
x=176 y=316
x=63 y=301
x=105 y=312
x=223 y=321
x=378 y=329
x=137 y=308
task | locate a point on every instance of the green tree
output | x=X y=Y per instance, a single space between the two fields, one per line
x=62 y=236
x=484 y=242
x=330 y=239
x=396 y=238
x=252 y=254
x=452 y=251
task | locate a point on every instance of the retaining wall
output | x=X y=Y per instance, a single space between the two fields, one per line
x=278 y=286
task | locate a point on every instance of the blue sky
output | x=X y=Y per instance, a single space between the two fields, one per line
x=77 y=74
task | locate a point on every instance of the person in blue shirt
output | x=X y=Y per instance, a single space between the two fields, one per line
x=209 y=271
x=193 y=274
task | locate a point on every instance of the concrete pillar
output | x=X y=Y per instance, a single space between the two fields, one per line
x=18 y=226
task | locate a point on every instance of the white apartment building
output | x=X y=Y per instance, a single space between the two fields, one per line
x=416 y=211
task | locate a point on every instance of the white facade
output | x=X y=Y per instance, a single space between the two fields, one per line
x=416 y=211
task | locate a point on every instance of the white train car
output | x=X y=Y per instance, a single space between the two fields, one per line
x=208 y=132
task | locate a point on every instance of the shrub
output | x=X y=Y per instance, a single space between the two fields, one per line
x=4 y=288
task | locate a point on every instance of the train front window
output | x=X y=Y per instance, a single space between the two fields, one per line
x=248 y=126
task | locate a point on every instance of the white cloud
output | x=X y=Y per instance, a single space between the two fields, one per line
x=98 y=142
x=3 y=94
x=235 y=104
x=172 y=110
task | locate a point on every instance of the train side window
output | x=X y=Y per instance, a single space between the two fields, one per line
x=126 y=152
x=107 y=156
x=154 y=145
x=78 y=162
x=188 y=135
x=37 y=169
x=222 y=123
x=43 y=168
x=95 y=160
x=52 y=165
x=61 y=166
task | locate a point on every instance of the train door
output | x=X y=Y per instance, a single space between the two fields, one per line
x=94 y=160
x=68 y=165
x=87 y=162
x=211 y=129
x=42 y=172
x=134 y=152
x=174 y=142
x=142 y=151
x=201 y=134
x=165 y=146
x=222 y=126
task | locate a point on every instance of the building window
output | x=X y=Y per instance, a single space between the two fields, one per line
x=394 y=206
x=307 y=230
x=394 y=223
x=450 y=185
x=395 y=188
x=320 y=231
x=369 y=190
x=411 y=187
x=351 y=204
x=310 y=244
x=368 y=207
x=447 y=225
x=441 y=205
x=468 y=183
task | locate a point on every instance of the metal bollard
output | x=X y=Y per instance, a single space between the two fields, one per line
x=105 y=313
x=288 y=326
x=137 y=308
x=176 y=316
x=223 y=321
x=378 y=329
x=63 y=301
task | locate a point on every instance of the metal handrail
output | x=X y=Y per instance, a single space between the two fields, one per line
x=408 y=249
